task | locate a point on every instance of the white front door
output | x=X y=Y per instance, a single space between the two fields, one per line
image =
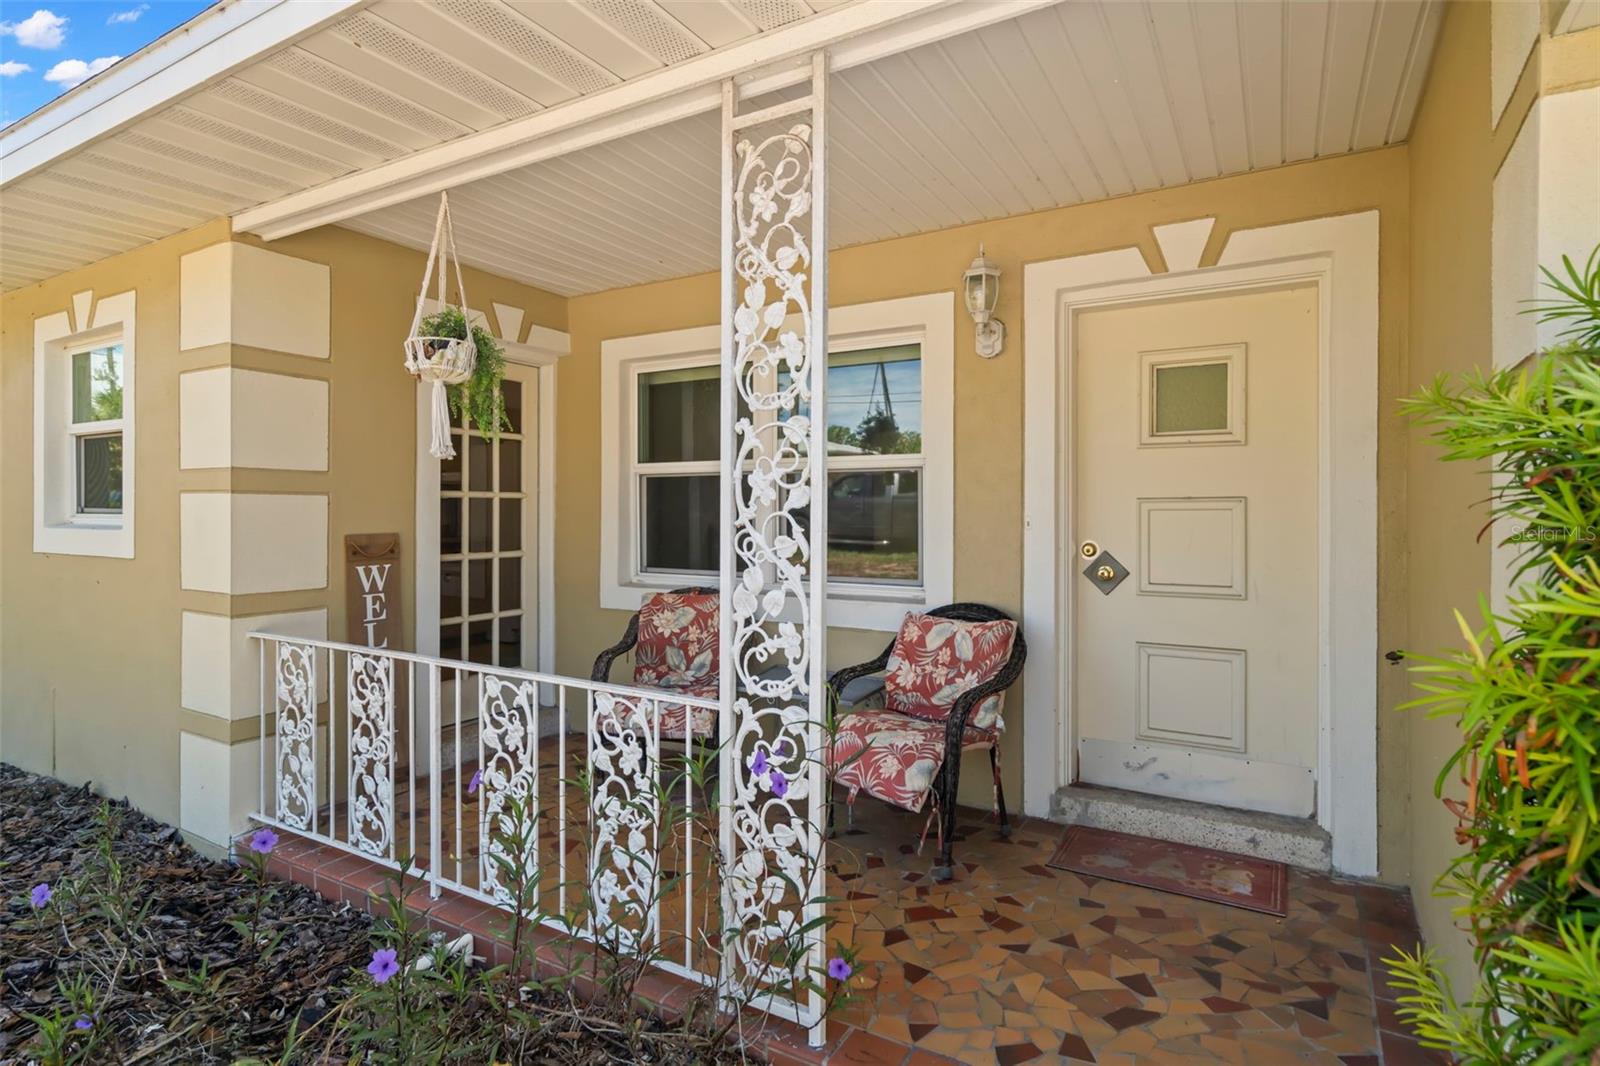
x=1195 y=474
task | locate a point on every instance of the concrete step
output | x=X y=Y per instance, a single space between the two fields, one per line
x=1297 y=841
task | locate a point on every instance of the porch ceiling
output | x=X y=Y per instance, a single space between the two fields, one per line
x=1067 y=104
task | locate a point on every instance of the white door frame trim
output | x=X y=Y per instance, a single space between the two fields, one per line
x=1340 y=256
x=542 y=350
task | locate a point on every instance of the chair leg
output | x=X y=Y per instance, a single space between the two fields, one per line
x=999 y=792
x=950 y=780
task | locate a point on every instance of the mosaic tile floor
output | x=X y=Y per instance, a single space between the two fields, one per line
x=1015 y=962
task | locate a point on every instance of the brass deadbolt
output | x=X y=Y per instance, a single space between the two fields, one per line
x=1089 y=550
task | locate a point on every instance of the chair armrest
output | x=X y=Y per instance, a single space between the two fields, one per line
x=602 y=662
x=967 y=702
x=842 y=678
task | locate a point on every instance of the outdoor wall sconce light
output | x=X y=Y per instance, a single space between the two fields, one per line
x=982 y=286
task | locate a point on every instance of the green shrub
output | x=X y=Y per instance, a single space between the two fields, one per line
x=1524 y=693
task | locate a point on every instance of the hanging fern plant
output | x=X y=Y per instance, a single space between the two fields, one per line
x=479 y=398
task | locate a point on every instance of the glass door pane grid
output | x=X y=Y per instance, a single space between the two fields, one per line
x=487 y=632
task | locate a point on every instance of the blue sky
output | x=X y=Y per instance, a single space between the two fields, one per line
x=48 y=46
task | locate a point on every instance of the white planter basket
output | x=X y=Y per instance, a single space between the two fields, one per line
x=441 y=360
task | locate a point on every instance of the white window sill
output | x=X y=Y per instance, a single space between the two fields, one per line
x=110 y=540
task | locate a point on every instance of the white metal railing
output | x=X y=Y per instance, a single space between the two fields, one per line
x=450 y=766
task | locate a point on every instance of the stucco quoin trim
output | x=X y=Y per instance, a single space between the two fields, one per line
x=1340 y=256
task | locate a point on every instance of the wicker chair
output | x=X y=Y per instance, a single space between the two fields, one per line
x=958 y=735
x=630 y=639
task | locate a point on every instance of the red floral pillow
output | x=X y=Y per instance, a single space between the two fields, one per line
x=935 y=660
x=677 y=646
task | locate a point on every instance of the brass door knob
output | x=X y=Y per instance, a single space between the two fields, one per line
x=1105 y=573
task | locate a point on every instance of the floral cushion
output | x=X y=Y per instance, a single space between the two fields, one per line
x=935 y=660
x=900 y=755
x=677 y=649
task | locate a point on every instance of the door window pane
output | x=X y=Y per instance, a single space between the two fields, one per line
x=510 y=584
x=450 y=646
x=450 y=526
x=478 y=591
x=480 y=525
x=478 y=464
x=450 y=469
x=450 y=590
x=97 y=384
x=680 y=523
x=508 y=644
x=1191 y=398
x=680 y=414
x=510 y=466
x=512 y=391
x=480 y=642
x=510 y=525
x=100 y=474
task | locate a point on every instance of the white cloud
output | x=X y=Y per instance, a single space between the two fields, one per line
x=73 y=72
x=131 y=15
x=42 y=29
x=11 y=68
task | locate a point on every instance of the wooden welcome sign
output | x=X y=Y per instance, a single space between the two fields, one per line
x=372 y=584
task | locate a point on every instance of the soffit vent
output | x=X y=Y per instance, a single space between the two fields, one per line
x=770 y=14
x=200 y=159
x=122 y=168
x=495 y=22
x=652 y=30
x=238 y=92
x=223 y=131
x=123 y=194
x=308 y=68
x=414 y=57
x=52 y=205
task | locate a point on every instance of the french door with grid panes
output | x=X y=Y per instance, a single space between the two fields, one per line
x=488 y=530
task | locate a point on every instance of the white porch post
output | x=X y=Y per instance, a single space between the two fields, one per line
x=774 y=533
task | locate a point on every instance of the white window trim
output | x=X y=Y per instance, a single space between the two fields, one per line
x=57 y=527
x=928 y=320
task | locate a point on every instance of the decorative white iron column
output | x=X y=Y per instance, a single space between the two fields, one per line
x=774 y=532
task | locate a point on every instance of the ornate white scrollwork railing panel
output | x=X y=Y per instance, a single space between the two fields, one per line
x=295 y=684
x=509 y=733
x=775 y=360
x=624 y=856
x=369 y=695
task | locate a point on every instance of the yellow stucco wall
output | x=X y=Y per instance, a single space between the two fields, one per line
x=90 y=689
x=989 y=398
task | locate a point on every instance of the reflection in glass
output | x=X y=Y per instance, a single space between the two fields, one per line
x=874 y=526
x=450 y=636
x=450 y=469
x=512 y=391
x=510 y=466
x=680 y=523
x=874 y=401
x=508 y=650
x=97 y=384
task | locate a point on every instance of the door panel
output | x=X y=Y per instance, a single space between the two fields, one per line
x=1195 y=466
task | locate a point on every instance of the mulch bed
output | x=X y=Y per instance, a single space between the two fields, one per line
x=150 y=925
x=51 y=833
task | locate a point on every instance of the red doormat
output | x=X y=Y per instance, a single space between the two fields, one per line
x=1199 y=873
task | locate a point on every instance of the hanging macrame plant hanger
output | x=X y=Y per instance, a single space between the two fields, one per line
x=441 y=360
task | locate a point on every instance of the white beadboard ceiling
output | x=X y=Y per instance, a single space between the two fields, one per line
x=1077 y=102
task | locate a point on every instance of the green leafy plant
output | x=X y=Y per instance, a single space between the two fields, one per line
x=1525 y=692
x=479 y=398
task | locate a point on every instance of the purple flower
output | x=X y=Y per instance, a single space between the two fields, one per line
x=83 y=1022
x=263 y=842
x=477 y=779
x=383 y=965
x=40 y=895
x=784 y=749
x=838 y=969
x=759 y=765
x=780 y=784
